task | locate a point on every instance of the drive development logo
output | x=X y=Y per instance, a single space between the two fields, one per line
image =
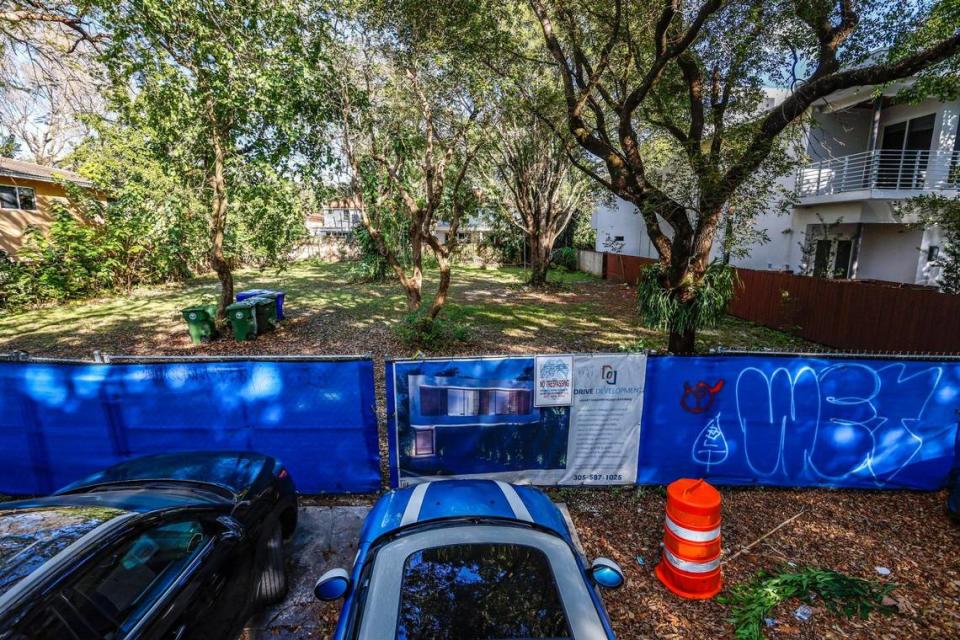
x=608 y=374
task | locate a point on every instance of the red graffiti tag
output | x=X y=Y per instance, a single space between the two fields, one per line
x=699 y=398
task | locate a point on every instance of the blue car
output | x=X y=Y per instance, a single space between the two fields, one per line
x=469 y=560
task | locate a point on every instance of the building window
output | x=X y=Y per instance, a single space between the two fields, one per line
x=904 y=153
x=933 y=252
x=433 y=401
x=28 y=200
x=17 y=198
x=463 y=402
x=423 y=442
x=841 y=262
x=832 y=259
x=8 y=197
x=504 y=402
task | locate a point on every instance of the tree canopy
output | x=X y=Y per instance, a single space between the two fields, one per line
x=693 y=75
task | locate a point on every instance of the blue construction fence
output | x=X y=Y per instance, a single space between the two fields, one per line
x=801 y=421
x=60 y=421
x=759 y=419
x=767 y=420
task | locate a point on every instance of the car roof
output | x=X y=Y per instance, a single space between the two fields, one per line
x=138 y=500
x=233 y=471
x=451 y=499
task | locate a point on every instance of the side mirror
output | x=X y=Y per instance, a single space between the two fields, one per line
x=232 y=530
x=332 y=585
x=606 y=573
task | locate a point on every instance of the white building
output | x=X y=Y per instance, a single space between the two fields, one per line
x=864 y=155
x=335 y=219
x=338 y=218
x=472 y=230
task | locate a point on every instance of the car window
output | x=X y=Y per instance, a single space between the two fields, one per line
x=479 y=592
x=31 y=537
x=119 y=587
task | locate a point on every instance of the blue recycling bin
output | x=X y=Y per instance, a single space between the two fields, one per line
x=253 y=293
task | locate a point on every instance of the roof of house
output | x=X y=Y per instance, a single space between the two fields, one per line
x=349 y=202
x=31 y=171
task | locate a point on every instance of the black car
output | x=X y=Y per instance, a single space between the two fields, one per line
x=177 y=546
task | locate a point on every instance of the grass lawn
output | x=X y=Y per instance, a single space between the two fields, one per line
x=329 y=313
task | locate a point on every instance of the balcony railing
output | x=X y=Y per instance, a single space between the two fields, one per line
x=883 y=170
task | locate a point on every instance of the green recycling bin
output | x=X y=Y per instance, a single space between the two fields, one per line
x=201 y=322
x=277 y=298
x=266 y=313
x=243 y=318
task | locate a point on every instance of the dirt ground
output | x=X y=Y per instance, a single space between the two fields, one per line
x=850 y=531
x=854 y=532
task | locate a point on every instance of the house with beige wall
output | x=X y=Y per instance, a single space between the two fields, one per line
x=28 y=193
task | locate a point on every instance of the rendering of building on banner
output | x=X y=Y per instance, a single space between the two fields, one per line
x=477 y=420
x=454 y=405
x=518 y=419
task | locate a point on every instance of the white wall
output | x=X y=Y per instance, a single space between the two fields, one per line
x=928 y=273
x=619 y=219
x=840 y=133
x=590 y=262
x=889 y=252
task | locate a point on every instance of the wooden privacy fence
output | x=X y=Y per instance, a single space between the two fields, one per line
x=845 y=314
x=624 y=268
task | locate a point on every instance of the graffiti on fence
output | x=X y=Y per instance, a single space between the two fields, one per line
x=710 y=446
x=864 y=423
x=699 y=397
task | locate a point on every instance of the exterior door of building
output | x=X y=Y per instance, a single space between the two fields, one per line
x=831 y=258
x=905 y=153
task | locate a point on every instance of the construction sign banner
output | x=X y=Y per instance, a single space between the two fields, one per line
x=546 y=420
x=797 y=421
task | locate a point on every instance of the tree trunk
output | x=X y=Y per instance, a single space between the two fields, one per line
x=441 y=297
x=683 y=343
x=218 y=224
x=414 y=283
x=414 y=298
x=539 y=261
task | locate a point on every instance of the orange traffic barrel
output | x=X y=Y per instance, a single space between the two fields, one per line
x=690 y=566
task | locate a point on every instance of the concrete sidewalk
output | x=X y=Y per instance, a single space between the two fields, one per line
x=326 y=538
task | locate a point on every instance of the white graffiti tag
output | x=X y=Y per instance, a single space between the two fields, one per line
x=711 y=447
x=847 y=420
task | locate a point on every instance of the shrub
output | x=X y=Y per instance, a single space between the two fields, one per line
x=89 y=252
x=565 y=258
x=661 y=308
x=416 y=329
x=370 y=266
x=69 y=262
x=841 y=594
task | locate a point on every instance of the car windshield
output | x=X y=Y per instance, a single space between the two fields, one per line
x=31 y=537
x=479 y=592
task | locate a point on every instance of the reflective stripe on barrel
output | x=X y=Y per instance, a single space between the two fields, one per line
x=692 y=535
x=691 y=567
